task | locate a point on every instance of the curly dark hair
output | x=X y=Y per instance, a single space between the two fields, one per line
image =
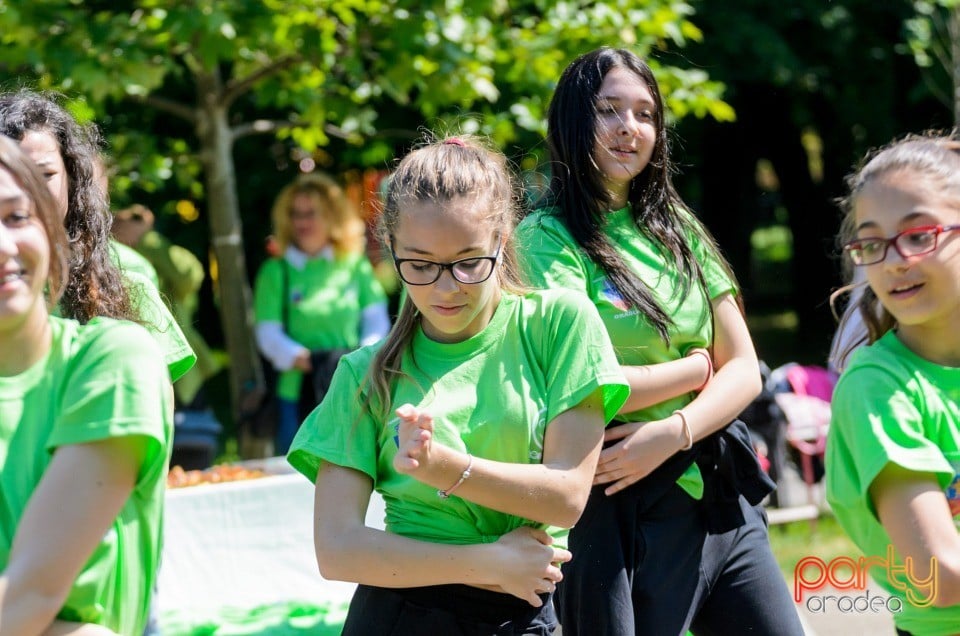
x=94 y=284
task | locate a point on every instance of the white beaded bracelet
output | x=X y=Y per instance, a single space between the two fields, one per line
x=443 y=494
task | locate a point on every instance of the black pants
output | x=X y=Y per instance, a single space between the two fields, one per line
x=445 y=610
x=658 y=570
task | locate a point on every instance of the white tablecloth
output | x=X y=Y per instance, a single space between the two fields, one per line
x=245 y=544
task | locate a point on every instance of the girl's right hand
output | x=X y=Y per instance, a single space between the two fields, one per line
x=414 y=437
x=527 y=564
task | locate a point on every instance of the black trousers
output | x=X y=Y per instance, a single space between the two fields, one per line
x=445 y=610
x=662 y=572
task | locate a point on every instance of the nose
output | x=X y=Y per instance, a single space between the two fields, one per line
x=7 y=244
x=893 y=259
x=629 y=126
x=446 y=282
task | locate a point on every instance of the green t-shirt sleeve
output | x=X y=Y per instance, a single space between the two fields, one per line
x=116 y=386
x=718 y=282
x=156 y=317
x=267 y=300
x=339 y=430
x=371 y=292
x=579 y=358
x=549 y=257
x=875 y=423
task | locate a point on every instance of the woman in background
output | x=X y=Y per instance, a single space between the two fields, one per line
x=318 y=299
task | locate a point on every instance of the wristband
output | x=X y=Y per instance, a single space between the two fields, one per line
x=709 y=368
x=685 y=429
x=443 y=494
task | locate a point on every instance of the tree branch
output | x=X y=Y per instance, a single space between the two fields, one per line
x=241 y=85
x=168 y=105
x=265 y=126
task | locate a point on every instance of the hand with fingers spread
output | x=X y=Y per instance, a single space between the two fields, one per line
x=642 y=447
x=528 y=564
x=414 y=439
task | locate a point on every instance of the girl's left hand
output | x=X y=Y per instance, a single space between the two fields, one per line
x=643 y=447
x=414 y=439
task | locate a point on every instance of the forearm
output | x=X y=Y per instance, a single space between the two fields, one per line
x=25 y=609
x=728 y=393
x=63 y=628
x=655 y=383
x=544 y=493
x=374 y=557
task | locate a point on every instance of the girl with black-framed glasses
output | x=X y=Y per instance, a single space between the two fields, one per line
x=893 y=451
x=479 y=418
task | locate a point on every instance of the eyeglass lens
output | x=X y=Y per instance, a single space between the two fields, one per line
x=912 y=242
x=470 y=270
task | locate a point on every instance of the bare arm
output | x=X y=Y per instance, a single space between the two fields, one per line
x=646 y=445
x=737 y=379
x=914 y=511
x=554 y=492
x=77 y=500
x=521 y=563
x=655 y=383
x=63 y=628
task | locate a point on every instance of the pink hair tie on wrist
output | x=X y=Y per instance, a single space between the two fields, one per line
x=455 y=141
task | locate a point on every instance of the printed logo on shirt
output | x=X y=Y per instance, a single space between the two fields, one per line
x=395 y=425
x=296 y=295
x=953 y=493
x=539 y=431
x=613 y=296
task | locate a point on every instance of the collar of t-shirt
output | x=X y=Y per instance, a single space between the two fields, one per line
x=298 y=258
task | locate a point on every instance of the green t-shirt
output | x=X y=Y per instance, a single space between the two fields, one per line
x=153 y=312
x=129 y=260
x=491 y=395
x=99 y=381
x=551 y=258
x=892 y=406
x=325 y=300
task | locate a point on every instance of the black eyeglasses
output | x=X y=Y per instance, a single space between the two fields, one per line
x=913 y=242
x=469 y=271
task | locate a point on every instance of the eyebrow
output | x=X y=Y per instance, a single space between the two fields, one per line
x=15 y=200
x=617 y=98
x=910 y=217
x=421 y=252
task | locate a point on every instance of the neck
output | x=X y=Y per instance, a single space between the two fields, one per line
x=939 y=344
x=27 y=344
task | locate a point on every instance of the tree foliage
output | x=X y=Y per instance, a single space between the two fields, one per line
x=363 y=75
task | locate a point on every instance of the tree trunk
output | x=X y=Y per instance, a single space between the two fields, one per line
x=216 y=141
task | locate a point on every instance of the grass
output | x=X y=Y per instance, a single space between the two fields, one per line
x=791 y=542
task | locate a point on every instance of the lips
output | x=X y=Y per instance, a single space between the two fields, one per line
x=447 y=310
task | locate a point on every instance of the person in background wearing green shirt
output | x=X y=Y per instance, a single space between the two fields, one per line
x=318 y=299
x=86 y=436
x=893 y=450
x=678 y=475
x=180 y=276
x=68 y=154
x=479 y=419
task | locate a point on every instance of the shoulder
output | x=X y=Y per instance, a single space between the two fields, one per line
x=120 y=336
x=547 y=218
x=358 y=361
x=116 y=348
x=556 y=305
